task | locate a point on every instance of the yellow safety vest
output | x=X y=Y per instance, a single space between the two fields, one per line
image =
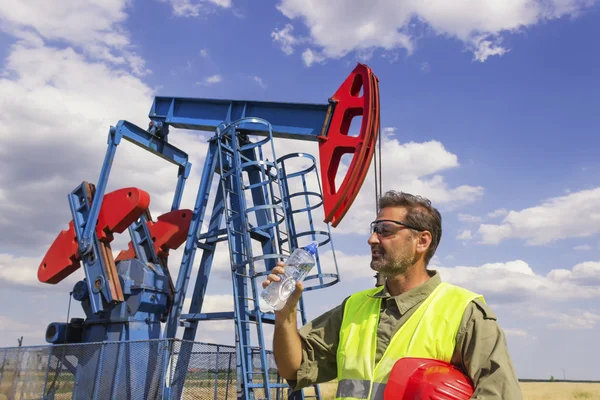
x=429 y=333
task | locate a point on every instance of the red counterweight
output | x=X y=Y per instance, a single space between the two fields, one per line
x=119 y=210
x=426 y=379
x=168 y=232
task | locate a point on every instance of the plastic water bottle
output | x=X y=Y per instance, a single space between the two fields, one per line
x=297 y=267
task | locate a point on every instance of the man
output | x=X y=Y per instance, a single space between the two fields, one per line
x=450 y=323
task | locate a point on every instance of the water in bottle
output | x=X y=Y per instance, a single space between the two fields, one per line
x=297 y=267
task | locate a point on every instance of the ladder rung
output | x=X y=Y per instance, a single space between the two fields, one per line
x=249 y=321
x=252 y=347
x=272 y=385
x=243 y=157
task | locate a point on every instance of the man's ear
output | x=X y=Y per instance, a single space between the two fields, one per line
x=423 y=241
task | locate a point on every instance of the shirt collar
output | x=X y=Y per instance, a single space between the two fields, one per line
x=414 y=296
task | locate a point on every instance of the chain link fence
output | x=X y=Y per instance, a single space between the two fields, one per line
x=126 y=370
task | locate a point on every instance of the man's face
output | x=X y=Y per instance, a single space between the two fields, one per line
x=393 y=250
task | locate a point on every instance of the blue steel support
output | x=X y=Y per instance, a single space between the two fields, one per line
x=141 y=241
x=85 y=237
x=208 y=252
x=94 y=268
x=239 y=250
x=190 y=320
x=288 y=120
x=191 y=242
x=184 y=173
x=187 y=261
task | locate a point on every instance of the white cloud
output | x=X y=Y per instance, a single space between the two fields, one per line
x=91 y=26
x=501 y=212
x=465 y=235
x=310 y=57
x=222 y=3
x=211 y=80
x=259 y=81
x=486 y=48
x=575 y=319
x=20 y=270
x=516 y=332
x=285 y=38
x=468 y=218
x=189 y=8
x=582 y=247
x=574 y=215
x=337 y=28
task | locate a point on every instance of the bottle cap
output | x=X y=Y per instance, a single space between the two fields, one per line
x=312 y=248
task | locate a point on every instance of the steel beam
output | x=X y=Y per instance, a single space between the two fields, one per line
x=289 y=120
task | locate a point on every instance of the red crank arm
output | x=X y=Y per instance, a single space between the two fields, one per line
x=337 y=201
x=119 y=210
x=168 y=233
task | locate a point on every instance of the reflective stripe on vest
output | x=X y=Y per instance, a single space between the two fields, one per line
x=429 y=333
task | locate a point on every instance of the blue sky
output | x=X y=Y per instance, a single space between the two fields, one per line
x=483 y=110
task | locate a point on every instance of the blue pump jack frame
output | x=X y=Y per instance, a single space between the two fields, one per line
x=85 y=224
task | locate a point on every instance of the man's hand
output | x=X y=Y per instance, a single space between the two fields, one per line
x=290 y=306
x=287 y=347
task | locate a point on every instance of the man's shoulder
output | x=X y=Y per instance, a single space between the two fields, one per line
x=480 y=309
x=477 y=308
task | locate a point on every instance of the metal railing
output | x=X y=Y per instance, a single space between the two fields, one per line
x=121 y=370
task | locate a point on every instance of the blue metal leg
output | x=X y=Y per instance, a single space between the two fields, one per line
x=191 y=243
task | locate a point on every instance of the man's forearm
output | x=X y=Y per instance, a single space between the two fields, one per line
x=287 y=347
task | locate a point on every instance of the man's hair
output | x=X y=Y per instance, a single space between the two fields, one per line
x=420 y=214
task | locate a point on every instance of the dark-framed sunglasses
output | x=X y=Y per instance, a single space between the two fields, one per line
x=383 y=227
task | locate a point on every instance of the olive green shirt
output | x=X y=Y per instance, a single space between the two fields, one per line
x=481 y=351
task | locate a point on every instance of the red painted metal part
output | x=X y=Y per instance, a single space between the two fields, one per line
x=423 y=378
x=119 y=210
x=168 y=233
x=337 y=142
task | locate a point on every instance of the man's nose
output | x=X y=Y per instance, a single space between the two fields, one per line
x=373 y=239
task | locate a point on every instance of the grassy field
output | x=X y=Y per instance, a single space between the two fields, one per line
x=531 y=391
x=199 y=388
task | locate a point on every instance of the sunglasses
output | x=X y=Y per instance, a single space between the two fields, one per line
x=387 y=227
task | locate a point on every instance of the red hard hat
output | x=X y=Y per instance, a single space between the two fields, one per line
x=424 y=378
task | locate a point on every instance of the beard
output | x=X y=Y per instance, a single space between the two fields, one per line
x=388 y=266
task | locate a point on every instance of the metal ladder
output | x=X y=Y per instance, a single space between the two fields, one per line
x=239 y=156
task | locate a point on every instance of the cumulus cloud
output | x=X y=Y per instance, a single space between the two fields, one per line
x=575 y=215
x=515 y=281
x=190 y=8
x=337 y=28
x=93 y=27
